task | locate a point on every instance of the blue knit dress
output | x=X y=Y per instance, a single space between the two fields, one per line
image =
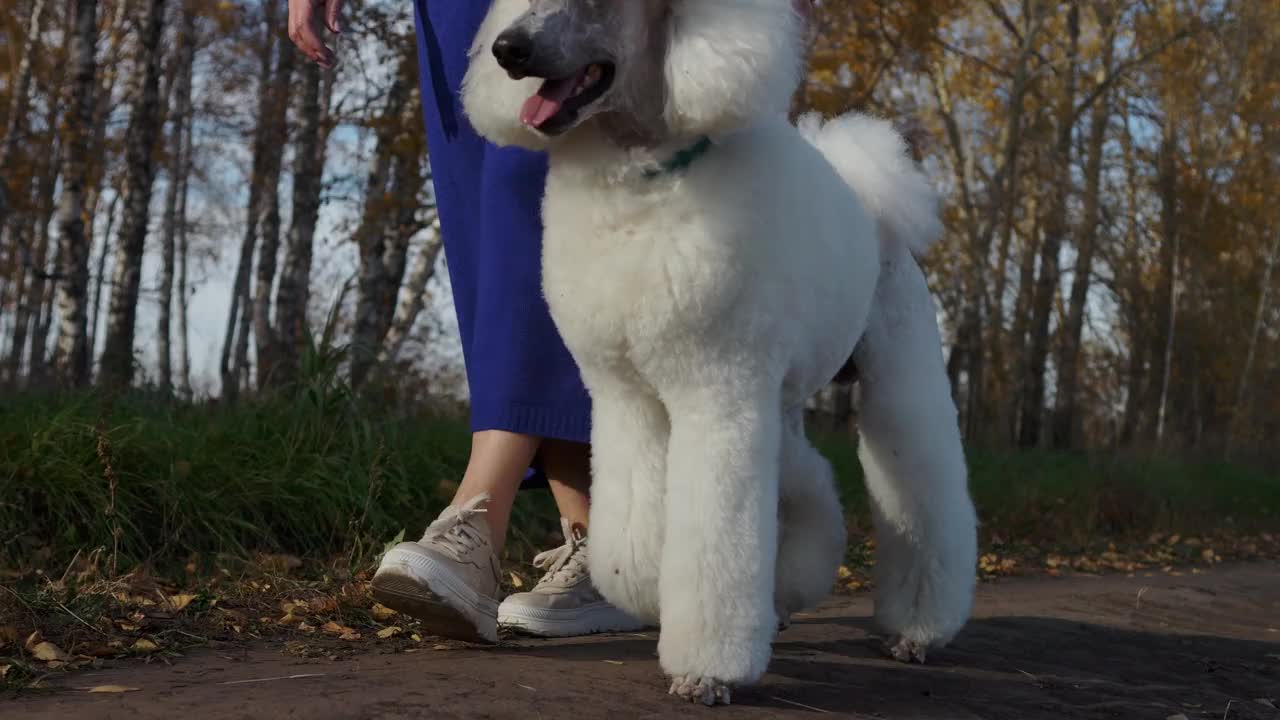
x=521 y=377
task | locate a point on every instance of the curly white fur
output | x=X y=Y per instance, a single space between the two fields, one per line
x=730 y=62
x=705 y=306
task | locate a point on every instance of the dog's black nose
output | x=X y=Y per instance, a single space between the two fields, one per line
x=514 y=49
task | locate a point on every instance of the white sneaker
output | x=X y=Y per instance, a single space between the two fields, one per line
x=449 y=579
x=564 y=602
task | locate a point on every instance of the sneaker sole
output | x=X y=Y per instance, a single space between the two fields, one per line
x=405 y=582
x=568 y=623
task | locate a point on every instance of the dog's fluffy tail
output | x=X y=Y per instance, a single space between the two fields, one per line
x=872 y=158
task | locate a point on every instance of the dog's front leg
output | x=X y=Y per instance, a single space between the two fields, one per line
x=721 y=544
x=629 y=430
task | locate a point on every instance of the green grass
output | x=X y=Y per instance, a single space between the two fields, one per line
x=311 y=475
x=320 y=475
x=1074 y=499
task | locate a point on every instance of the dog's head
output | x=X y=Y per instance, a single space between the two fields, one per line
x=643 y=70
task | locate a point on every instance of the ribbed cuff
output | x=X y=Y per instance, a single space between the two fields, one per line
x=557 y=423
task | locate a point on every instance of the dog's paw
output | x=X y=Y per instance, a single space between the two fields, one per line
x=707 y=691
x=904 y=650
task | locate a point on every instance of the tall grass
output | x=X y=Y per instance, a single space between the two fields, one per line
x=320 y=474
x=1066 y=499
x=300 y=474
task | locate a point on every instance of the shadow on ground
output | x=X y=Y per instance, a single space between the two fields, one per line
x=1203 y=646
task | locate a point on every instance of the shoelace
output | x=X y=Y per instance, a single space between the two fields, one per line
x=453 y=531
x=565 y=564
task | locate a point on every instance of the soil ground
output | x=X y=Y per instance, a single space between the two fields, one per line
x=1197 y=644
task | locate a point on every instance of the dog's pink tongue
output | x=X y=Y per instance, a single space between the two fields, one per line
x=542 y=107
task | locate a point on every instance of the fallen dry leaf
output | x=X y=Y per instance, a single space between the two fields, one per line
x=439 y=647
x=4 y=670
x=342 y=631
x=415 y=637
x=844 y=573
x=322 y=605
x=48 y=652
x=97 y=650
x=381 y=612
x=392 y=631
x=109 y=689
x=178 y=602
x=615 y=662
x=144 y=645
x=517 y=581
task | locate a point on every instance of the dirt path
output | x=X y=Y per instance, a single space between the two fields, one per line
x=1201 y=645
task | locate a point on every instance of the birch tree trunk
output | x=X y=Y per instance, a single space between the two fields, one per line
x=183 y=252
x=1056 y=227
x=294 y=288
x=414 y=297
x=1000 y=214
x=381 y=251
x=41 y=295
x=1259 y=318
x=269 y=247
x=122 y=315
x=1066 y=420
x=1162 y=337
x=184 y=61
x=100 y=274
x=235 y=342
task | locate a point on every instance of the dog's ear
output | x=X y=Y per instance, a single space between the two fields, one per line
x=731 y=61
x=491 y=99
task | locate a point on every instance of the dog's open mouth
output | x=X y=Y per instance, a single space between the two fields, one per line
x=558 y=102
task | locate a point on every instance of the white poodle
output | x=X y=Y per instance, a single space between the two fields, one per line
x=710 y=267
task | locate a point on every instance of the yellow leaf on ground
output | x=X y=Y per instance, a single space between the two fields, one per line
x=381 y=612
x=415 y=637
x=110 y=689
x=517 y=581
x=144 y=645
x=844 y=573
x=334 y=628
x=48 y=652
x=178 y=602
x=392 y=631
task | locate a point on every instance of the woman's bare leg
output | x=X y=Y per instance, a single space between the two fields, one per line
x=568 y=469
x=497 y=466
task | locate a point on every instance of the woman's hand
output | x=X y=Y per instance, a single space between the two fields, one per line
x=307 y=21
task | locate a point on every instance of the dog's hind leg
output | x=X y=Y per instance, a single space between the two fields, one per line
x=629 y=461
x=719 y=558
x=811 y=523
x=915 y=469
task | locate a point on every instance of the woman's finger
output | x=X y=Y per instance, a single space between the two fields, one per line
x=305 y=29
x=333 y=15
